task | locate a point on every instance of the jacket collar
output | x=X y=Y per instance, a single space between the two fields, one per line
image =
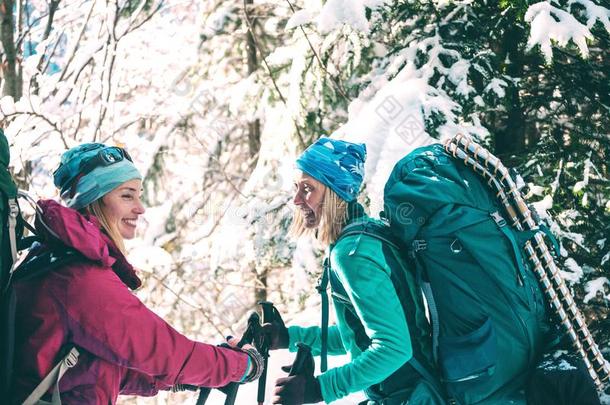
x=355 y=212
x=65 y=226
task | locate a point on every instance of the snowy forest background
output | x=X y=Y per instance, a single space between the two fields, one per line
x=214 y=99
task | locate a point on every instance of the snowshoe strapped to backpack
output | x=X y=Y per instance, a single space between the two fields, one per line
x=487 y=311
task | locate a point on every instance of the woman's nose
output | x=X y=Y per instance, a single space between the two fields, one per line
x=139 y=208
x=297 y=199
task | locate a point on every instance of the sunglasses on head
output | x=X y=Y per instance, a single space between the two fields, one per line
x=104 y=157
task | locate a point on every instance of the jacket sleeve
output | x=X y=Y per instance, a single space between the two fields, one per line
x=312 y=337
x=135 y=383
x=369 y=288
x=107 y=320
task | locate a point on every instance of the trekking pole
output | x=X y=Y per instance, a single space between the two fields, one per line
x=268 y=317
x=230 y=390
x=545 y=268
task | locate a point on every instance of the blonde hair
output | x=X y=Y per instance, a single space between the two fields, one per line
x=96 y=208
x=333 y=216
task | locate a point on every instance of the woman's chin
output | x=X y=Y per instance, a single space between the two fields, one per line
x=311 y=224
x=128 y=233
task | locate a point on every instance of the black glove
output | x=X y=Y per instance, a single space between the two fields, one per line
x=298 y=389
x=275 y=332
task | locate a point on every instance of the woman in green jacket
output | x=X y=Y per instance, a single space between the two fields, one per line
x=380 y=317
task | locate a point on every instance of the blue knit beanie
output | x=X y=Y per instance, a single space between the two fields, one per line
x=337 y=164
x=79 y=189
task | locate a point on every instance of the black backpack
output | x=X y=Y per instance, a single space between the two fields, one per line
x=12 y=242
x=11 y=233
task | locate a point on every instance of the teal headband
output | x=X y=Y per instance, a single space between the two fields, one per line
x=337 y=164
x=81 y=189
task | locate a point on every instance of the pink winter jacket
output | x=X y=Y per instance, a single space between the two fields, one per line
x=125 y=348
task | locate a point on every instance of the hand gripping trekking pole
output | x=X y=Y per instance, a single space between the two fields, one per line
x=230 y=390
x=498 y=178
x=269 y=312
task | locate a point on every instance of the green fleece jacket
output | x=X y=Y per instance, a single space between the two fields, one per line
x=366 y=288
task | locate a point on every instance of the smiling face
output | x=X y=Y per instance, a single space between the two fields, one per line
x=308 y=197
x=122 y=207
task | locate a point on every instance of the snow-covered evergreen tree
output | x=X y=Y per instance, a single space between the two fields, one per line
x=529 y=79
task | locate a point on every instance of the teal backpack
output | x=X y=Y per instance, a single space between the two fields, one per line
x=489 y=320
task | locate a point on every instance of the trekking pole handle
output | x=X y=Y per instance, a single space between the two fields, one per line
x=303 y=355
x=268 y=316
x=231 y=390
x=268 y=313
x=254 y=323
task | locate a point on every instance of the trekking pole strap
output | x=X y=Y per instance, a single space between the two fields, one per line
x=53 y=377
x=321 y=287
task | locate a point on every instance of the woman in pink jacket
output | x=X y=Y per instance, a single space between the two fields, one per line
x=124 y=347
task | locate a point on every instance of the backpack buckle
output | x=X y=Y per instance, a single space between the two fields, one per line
x=71 y=358
x=13 y=208
x=419 y=244
x=498 y=218
x=320 y=287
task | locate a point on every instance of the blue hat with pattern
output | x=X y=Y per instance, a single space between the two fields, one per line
x=337 y=164
x=89 y=171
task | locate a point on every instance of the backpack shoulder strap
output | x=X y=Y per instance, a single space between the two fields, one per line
x=381 y=232
x=68 y=361
x=46 y=263
x=370 y=228
x=322 y=290
x=322 y=287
